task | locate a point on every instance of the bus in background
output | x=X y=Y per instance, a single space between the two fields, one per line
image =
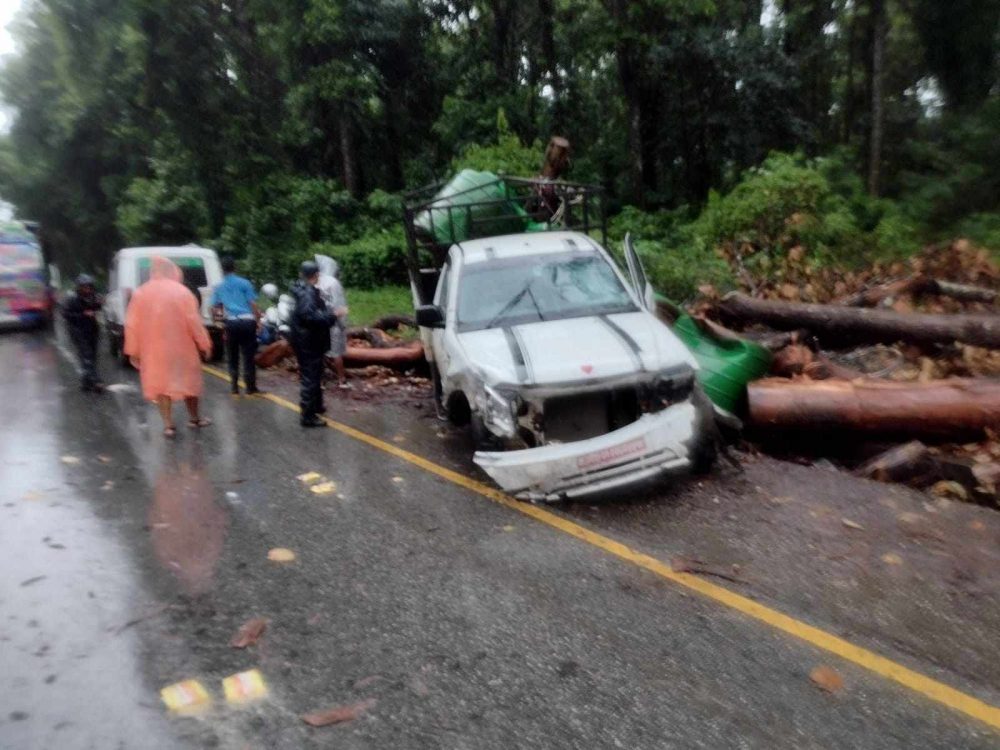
x=25 y=296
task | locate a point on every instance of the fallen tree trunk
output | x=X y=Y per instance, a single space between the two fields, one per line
x=398 y=358
x=940 y=409
x=966 y=292
x=876 y=295
x=837 y=325
x=900 y=464
x=918 y=285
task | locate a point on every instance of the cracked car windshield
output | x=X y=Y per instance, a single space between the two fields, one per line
x=513 y=291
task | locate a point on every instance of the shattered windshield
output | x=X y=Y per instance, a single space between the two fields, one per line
x=513 y=291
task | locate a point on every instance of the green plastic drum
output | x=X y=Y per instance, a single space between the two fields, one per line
x=726 y=366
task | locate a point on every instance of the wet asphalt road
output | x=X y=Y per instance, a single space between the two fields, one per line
x=129 y=562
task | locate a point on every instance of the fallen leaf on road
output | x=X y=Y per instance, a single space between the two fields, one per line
x=70 y=460
x=852 y=524
x=891 y=558
x=826 y=678
x=108 y=485
x=338 y=714
x=977 y=525
x=310 y=477
x=104 y=459
x=326 y=488
x=249 y=633
x=397 y=480
x=280 y=554
x=508 y=528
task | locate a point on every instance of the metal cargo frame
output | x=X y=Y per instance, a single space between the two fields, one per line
x=581 y=208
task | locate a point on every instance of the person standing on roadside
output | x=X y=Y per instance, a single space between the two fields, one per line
x=80 y=312
x=165 y=338
x=333 y=294
x=310 y=338
x=235 y=301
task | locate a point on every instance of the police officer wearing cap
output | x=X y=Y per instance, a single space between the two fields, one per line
x=310 y=337
x=80 y=313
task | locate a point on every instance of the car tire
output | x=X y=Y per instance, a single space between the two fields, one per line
x=482 y=437
x=705 y=450
x=703 y=457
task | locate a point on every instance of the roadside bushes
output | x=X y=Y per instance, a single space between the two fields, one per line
x=375 y=259
x=289 y=219
x=818 y=206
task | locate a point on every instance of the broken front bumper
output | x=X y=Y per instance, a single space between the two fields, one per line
x=653 y=444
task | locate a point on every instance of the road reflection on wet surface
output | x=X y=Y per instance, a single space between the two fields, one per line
x=187 y=526
x=68 y=586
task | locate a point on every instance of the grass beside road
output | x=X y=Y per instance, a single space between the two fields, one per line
x=368 y=305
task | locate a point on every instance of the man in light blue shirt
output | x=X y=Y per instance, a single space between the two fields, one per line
x=235 y=300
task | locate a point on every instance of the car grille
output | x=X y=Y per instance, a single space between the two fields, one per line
x=586 y=415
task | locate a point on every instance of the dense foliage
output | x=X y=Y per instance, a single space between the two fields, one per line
x=277 y=129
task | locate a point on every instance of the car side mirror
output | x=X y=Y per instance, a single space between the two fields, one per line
x=430 y=316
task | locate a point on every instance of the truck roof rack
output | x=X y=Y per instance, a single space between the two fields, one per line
x=481 y=204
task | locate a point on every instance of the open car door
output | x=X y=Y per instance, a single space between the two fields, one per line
x=643 y=289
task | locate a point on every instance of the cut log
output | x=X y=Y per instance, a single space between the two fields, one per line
x=378 y=338
x=841 y=325
x=943 y=408
x=900 y=464
x=394 y=322
x=398 y=358
x=274 y=354
x=556 y=158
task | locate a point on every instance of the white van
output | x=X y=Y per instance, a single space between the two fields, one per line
x=131 y=267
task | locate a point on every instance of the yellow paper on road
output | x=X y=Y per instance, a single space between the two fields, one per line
x=244 y=687
x=186 y=697
x=280 y=554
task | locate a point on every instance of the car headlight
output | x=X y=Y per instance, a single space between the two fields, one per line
x=497 y=410
x=674 y=385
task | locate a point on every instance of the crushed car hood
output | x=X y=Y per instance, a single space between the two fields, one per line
x=575 y=349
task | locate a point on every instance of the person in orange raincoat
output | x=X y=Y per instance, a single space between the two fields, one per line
x=164 y=334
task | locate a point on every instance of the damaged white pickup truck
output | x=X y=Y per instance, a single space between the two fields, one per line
x=571 y=384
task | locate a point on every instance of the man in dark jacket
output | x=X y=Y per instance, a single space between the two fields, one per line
x=80 y=312
x=310 y=337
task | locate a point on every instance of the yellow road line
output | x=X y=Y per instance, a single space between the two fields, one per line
x=873 y=662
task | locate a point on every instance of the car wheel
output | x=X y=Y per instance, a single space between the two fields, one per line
x=703 y=456
x=483 y=438
x=705 y=450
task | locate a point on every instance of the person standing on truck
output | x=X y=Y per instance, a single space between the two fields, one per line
x=164 y=336
x=235 y=301
x=332 y=292
x=310 y=331
x=80 y=312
